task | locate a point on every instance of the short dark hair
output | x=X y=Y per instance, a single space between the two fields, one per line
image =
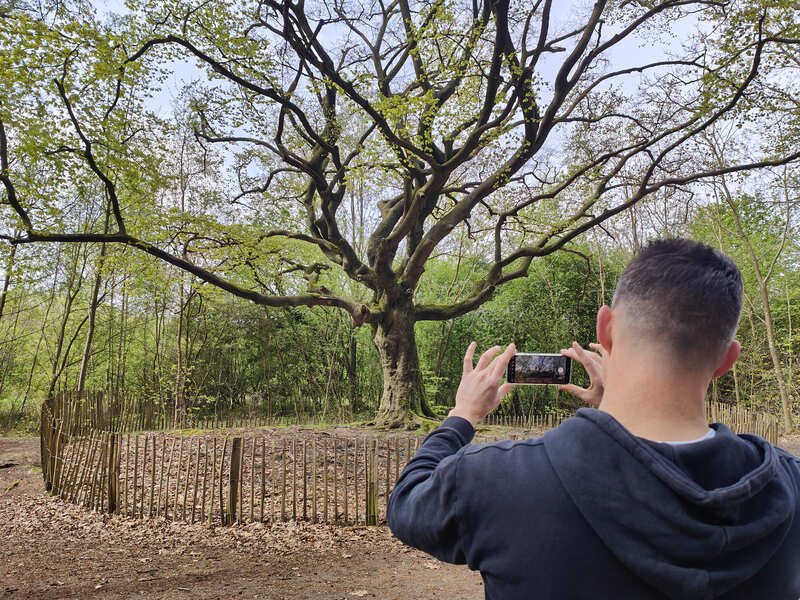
x=685 y=294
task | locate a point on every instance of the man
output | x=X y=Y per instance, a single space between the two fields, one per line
x=636 y=499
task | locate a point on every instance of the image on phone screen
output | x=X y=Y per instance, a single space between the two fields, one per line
x=539 y=369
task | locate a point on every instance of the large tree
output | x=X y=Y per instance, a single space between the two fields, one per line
x=362 y=135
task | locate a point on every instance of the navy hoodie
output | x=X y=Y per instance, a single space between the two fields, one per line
x=592 y=511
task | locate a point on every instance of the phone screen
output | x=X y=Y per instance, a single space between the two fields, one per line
x=539 y=369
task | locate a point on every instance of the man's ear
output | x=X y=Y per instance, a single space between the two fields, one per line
x=604 y=318
x=730 y=357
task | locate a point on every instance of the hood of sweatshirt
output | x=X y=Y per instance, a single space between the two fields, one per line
x=692 y=520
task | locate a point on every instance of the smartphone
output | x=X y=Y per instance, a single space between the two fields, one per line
x=541 y=369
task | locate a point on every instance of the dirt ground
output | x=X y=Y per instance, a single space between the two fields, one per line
x=52 y=549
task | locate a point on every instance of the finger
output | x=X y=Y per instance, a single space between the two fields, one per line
x=487 y=356
x=469 y=357
x=573 y=389
x=586 y=358
x=501 y=362
x=598 y=348
x=569 y=352
x=575 y=352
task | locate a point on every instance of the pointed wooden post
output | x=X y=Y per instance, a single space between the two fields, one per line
x=233 y=490
x=113 y=473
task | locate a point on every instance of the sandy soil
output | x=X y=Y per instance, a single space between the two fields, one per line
x=52 y=549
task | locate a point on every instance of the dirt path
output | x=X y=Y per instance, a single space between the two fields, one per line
x=52 y=549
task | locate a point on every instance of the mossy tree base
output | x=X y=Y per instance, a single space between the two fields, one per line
x=403 y=400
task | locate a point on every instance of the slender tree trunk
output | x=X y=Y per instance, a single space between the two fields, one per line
x=9 y=354
x=177 y=416
x=3 y=296
x=122 y=354
x=74 y=282
x=50 y=302
x=762 y=279
x=403 y=395
x=93 y=304
x=773 y=353
x=351 y=366
x=7 y=279
x=790 y=370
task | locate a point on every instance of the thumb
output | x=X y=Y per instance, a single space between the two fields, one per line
x=504 y=389
x=573 y=389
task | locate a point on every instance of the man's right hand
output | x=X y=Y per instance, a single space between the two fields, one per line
x=593 y=363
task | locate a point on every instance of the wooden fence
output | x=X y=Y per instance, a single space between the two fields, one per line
x=548 y=421
x=222 y=479
x=742 y=420
x=266 y=476
x=739 y=419
x=90 y=411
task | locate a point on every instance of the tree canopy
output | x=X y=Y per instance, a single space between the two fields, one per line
x=328 y=151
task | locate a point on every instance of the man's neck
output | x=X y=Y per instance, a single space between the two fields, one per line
x=657 y=405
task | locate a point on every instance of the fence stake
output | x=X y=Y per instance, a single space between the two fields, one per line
x=233 y=490
x=92 y=464
x=273 y=487
x=196 y=480
x=100 y=504
x=144 y=476
x=325 y=465
x=113 y=471
x=396 y=460
x=161 y=477
x=355 y=480
x=335 y=481
x=223 y=514
x=388 y=469
x=294 y=479
x=345 y=481
x=169 y=476
x=74 y=447
x=205 y=476
x=313 y=480
x=135 y=471
x=80 y=470
x=283 y=492
x=213 y=486
x=58 y=461
x=263 y=486
x=252 y=479
x=86 y=470
x=305 y=489
x=178 y=472
x=241 y=484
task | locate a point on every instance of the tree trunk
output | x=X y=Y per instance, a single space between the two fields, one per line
x=74 y=283
x=7 y=280
x=93 y=304
x=773 y=353
x=403 y=397
x=177 y=417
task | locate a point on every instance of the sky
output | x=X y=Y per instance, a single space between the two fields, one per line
x=565 y=15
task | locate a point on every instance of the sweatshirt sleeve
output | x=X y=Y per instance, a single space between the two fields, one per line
x=424 y=508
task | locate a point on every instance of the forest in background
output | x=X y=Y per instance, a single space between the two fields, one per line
x=321 y=228
x=153 y=333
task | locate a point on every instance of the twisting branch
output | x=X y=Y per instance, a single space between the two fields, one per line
x=11 y=192
x=360 y=313
x=110 y=187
